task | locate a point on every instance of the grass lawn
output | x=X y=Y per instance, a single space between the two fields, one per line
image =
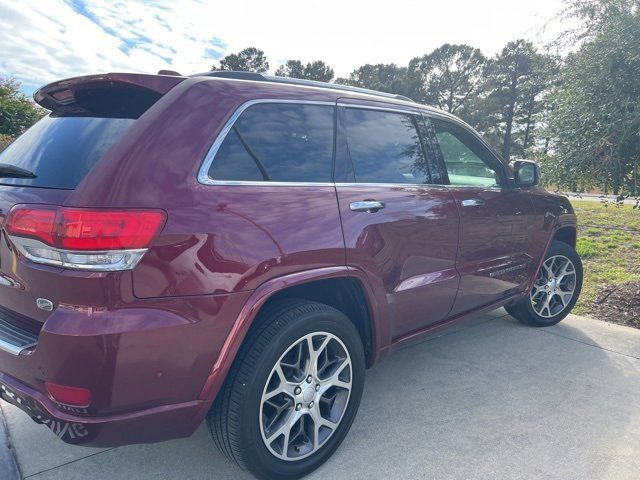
x=609 y=244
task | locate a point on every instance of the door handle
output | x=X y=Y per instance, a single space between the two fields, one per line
x=369 y=206
x=472 y=202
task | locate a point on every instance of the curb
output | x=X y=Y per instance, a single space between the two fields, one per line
x=8 y=464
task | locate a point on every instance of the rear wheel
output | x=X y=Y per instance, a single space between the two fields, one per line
x=293 y=391
x=555 y=291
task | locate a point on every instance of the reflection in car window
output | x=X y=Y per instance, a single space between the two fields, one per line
x=462 y=155
x=278 y=142
x=385 y=147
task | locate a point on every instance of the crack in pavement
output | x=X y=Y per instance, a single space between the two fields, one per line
x=68 y=463
x=588 y=344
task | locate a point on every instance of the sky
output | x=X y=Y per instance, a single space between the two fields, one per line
x=46 y=40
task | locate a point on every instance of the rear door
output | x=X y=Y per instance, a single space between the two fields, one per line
x=494 y=252
x=398 y=227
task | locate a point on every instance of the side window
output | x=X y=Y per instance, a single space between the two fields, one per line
x=468 y=162
x=385 y=147
x=278 y=142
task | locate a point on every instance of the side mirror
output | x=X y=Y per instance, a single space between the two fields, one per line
x=526 y=173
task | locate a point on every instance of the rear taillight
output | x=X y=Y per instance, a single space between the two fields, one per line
x=89 y=239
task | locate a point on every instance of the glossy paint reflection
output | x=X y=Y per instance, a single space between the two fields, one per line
x=410 y=246
x=247 y=235
x=494 y=253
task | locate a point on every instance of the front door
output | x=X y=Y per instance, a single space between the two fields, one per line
x=494 y=251
x=398 y=227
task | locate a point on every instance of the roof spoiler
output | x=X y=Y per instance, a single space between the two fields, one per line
x=109 y=94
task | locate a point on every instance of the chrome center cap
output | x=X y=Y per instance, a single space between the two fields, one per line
x=308 y=394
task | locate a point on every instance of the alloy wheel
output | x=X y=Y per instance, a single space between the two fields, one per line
x=554 y=287
x=305 y=396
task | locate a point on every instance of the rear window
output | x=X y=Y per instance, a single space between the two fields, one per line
x=273 y=142
x=60 y=151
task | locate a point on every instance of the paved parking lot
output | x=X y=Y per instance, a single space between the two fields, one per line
x=492 y=399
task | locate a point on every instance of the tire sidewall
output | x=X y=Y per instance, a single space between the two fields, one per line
x=259 y=459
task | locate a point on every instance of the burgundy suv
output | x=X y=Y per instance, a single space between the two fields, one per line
x=241 y=247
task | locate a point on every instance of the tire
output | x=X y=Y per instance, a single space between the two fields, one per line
x=242 y=417
x=532 y=310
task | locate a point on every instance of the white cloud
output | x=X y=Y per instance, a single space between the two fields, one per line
x=66 y=38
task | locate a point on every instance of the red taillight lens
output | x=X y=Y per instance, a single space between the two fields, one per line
x=75 y=396
x=86 y=229
x=80 y=229
x=31 y=222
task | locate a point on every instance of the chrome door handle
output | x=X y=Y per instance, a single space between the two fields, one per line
x=369 y=206
x=472 y=202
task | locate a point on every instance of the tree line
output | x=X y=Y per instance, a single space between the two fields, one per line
x=578 y=115
x=501 y=96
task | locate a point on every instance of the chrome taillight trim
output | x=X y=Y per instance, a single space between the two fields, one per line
x=123 y=259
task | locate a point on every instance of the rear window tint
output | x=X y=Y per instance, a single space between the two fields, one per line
x=274 y=142
x=60 y=151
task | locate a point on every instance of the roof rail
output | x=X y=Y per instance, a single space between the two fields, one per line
x=261 y=77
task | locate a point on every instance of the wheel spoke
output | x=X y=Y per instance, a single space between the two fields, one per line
x=566 y=270
x=548 y=267
x=334 y=380
x=316 y=354
x=537 y=290
x=279 y=390
x=565 y=298
x=318 y=422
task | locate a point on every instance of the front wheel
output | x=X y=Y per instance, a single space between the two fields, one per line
x=555 y=291
x=293 y=392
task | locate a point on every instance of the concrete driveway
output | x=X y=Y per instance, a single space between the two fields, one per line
x=492 y=399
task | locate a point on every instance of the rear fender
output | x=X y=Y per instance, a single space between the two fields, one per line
x=260 y=296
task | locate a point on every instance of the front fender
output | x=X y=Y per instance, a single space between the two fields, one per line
x=555 y=219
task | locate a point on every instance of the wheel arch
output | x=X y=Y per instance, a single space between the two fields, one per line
x=566 y=234
x=564 y=231
x=315 y=285
x=346 y=294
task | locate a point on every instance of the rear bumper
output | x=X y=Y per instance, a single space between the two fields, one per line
x=144 y=426
x=145 y=364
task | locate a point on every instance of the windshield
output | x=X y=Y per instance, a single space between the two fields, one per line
x=60 y=151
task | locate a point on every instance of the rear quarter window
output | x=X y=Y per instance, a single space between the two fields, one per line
x=277 y=142
x=60 y=151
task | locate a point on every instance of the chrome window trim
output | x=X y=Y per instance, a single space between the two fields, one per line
x=390 y=185
x=477 y=187
x=410 y=110
x=257 y=183
x=203 y=173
